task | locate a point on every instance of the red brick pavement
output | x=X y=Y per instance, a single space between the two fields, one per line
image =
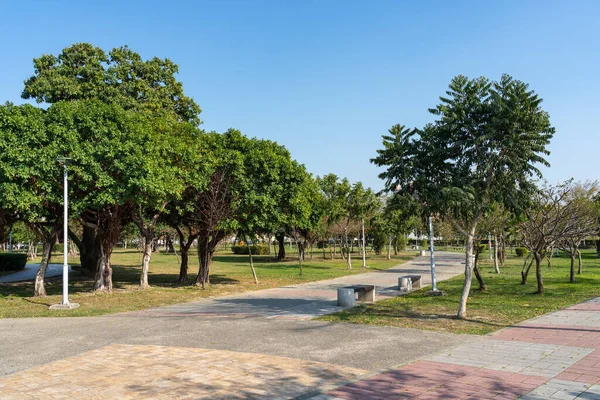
x=589 y=306
x=586 y=370
x=564 y=335
x=433 y=380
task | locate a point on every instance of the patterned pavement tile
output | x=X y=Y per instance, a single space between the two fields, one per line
x=565 y=335
x=536 y=359
x=139 y=372
x=586 y=370
x=557 y=389
x=567 y=317
x=432 y=380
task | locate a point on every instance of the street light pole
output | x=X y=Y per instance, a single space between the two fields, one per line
x=65 y=297
x=65 y=305
x=433 y=280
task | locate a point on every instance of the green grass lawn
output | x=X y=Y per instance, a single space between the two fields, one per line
x=229 y=274
x=504 y=303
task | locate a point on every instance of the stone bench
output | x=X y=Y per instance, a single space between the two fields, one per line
x=407 y=283
x=346 y=295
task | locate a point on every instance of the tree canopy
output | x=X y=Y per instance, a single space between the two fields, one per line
x=484 y=147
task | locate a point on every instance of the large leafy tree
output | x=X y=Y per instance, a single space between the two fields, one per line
x=120 y=77
x=484 y=147
x=124 y=165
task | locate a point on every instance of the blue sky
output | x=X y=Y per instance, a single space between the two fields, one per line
x=327 y=78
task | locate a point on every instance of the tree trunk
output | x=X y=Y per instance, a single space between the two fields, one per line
x=579 y=270
x=525 y=272
x=538 y=273
x=389 y=249
x=147 y=253
x=31 y=250
x=572 y=271
x=496 y=268
x=103 y=279
x=281 y=240
x=169 y=244
x=469 y=265
x=183 y=268
x=90 y=249
x=323 y=244
x=349 y=259
x=39 y=287
x=334 y=247
x=300 y=256
x=482 y=285
x=502 y=250
x=251 y=262
x=269 y=240
x=203 y=261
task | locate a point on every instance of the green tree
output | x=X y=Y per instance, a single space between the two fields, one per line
x=30 y=178
x=363 y=204
x=484 y=147
x=123 y=163
x=82 y=72
x=335 y=193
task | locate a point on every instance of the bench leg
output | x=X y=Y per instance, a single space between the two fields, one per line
x=367 y=296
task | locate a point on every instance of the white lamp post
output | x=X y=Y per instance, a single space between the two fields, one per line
x=65 y=305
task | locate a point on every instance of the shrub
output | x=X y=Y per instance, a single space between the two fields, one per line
x=12 y=261
x=521 y=251
x=379 y=242
x=482 y=248
x=257 y=249
x=401 y=242
x=320 y=244
x=424 y=243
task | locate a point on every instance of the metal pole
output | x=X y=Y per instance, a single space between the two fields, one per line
x=431 y=250
x=10 y=242
x=65 y=298
x=363 y=243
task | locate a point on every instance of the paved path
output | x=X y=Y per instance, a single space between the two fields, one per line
x=554 y=356
x=255 y=345
x=28 y=273
x=310 y=300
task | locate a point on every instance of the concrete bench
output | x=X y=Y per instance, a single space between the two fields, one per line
x=409 y=282
x=346 y=295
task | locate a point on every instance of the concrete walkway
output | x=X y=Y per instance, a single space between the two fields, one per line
x=28 y=273
x=555 y=356
x=255 y=345
x=310 y=300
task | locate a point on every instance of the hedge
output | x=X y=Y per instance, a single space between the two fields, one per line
x=521 y=251
x=257 y=250
x=12 y=261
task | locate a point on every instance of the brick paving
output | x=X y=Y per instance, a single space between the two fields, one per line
x=554 y=356
x=166 y=372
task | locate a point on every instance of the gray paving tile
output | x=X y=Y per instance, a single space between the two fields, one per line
x=568 y=317
x=535 y=359
x=557 y=389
